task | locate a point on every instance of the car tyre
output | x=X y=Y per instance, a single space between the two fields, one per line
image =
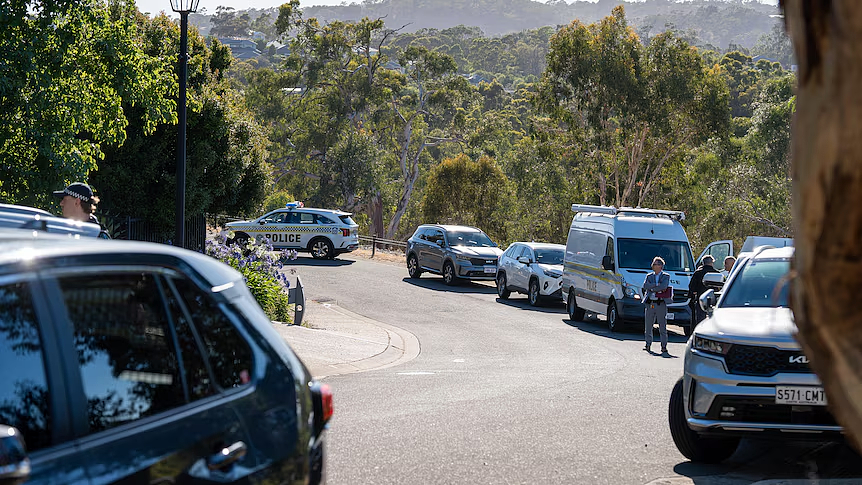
x=614 y=323
x=449 y=276
x=693 y=446
x=502 y=291
x=321 y=248
x=575 y=314
x=533 y=295
x=413 y=267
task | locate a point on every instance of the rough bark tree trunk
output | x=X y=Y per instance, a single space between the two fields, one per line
x=827 y=198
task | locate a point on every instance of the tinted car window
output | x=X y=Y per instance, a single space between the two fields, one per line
x=229 y=355
x=23 y=388
x=319 y=219
x=125 y=347
x=198 y=378
x=347 y=220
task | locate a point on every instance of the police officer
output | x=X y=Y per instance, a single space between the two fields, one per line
x=656 y=297
x=697 y=288
x=79 y=204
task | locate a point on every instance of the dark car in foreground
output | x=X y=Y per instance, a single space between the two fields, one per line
x=133 y=362
x=30 y=218
x=745 y=374
x=457 y=253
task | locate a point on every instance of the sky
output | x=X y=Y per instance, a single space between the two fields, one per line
x=154 y=6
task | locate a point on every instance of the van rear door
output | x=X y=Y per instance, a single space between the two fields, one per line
x=718 y=250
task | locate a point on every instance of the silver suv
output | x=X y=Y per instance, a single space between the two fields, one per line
x=745 y=374
x=456 y=252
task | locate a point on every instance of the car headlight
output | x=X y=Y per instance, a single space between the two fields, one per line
x=552 y=274
x=462 y=257
x=711 y=346
x=632 y=292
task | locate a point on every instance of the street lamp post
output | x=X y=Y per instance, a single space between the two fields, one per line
x=182 y=7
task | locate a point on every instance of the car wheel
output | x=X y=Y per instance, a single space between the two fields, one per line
x=614 y=324
x=502 y=291
x=413 y=267
x=449 y=274
x=692 y=445
x=321 y=248
x=533 y=293
x=575 y=314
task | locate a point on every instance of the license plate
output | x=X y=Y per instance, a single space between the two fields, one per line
x=490 y=270
x=807 y=396
x=671 y=316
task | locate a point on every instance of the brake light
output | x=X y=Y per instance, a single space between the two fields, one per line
x=322 y=401
x=345 y=232
x=326 y=397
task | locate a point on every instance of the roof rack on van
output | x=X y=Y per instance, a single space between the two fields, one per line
x=601 y=209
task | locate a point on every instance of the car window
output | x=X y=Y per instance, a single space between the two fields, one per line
x=510 y=253
x=276 y=218
x=23 y=389
x=528 y=253
x=760 y=284
x=469 y=238
x=319 y=219
x=198 y=377
x=347 y=220
x=306 y=218
x=435 y=236
x=125 y=347
x=227 y=351
x=549 y=256
x=639 y=254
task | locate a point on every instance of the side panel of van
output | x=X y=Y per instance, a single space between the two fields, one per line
x=583 y=273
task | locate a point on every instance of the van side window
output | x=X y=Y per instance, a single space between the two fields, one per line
x=588 y=248
x=610 y=249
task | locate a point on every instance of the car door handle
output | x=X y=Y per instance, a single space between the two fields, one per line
x=227 y=456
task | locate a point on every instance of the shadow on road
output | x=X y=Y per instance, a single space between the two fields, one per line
x=307 y=261
x=772 y=459
x=436 y=284
x=523 y=304
x=596 y=326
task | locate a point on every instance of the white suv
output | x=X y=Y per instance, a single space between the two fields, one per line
x=744 y=373
x=532 y=268
x=322 y=232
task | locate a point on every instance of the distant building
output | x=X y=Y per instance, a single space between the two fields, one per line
x=280 y=49
x=241 y=48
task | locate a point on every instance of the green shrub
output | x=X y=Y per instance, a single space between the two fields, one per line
x=260 y=268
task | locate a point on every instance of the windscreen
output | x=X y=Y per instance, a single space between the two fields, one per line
x=549 y=256
x=471 y=238
x=760 y=284
x=639 y=253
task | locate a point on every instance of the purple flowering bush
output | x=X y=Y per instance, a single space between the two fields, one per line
x=261 y=268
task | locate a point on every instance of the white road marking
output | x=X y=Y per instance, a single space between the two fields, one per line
x=415 y=373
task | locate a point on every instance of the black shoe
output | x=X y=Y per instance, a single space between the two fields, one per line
x=664 y=351
x=646 y=347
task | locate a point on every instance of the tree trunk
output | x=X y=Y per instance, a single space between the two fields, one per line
x=827 y=198
x=375 y=208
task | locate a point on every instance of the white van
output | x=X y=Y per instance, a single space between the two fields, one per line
x=609 y=252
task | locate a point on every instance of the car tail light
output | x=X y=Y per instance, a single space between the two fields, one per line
x=345 y=232
x=321 y=396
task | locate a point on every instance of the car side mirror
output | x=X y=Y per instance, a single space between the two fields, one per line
x=713 y=281
x=14 y=463
x=523 y=260
x=441 y=243
x=607 y=263
x=707 y=301
x=261 y=222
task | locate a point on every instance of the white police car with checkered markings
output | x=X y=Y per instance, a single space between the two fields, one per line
x=322 y=232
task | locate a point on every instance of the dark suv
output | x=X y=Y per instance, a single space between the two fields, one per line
x=456 y=252
x=133 y=362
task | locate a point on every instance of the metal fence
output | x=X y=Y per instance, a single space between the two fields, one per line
x=380 y=243
x=136 y=229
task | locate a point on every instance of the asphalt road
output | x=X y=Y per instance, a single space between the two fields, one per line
x=505 y=393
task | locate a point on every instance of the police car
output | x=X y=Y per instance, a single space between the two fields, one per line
x=324 y=233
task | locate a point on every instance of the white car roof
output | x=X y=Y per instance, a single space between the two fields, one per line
x=776 y=253
x=535 y=245
x=312 y=210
